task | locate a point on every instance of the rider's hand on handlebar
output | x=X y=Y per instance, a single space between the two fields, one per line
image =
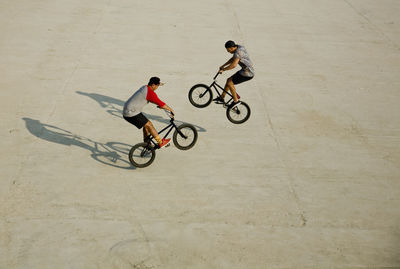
x=221 y=69
x=168 y=111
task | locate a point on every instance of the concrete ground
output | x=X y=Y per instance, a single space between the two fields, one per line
x=312 y=180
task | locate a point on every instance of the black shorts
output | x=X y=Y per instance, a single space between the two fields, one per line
x=138 y=120
x=238 y=78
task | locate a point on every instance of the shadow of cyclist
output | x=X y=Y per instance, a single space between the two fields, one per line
x=106 y=153
x=114 y=107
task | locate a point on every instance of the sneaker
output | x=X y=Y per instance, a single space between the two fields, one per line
x=233 y=104
x=219 y=100
x=164 y=142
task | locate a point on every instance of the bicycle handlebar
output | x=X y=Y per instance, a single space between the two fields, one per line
x=169 y=113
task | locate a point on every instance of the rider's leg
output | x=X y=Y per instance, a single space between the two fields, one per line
x=145 y=134
x=149 y=128
x=229 y=86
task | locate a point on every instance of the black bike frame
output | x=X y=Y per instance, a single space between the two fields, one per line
x=214 y=85
x=171 y=126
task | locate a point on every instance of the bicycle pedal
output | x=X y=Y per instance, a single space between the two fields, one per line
x=167 y=145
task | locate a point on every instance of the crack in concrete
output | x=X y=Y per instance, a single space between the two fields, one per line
x=82 y=51
x=274 y=135
x=373 y=26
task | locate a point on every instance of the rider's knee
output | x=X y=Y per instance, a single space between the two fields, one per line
x=229 y=82
x=148 y=124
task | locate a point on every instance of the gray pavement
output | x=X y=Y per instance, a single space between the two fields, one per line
x=312 y=180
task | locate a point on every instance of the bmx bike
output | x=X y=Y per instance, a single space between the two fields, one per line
x=201 y=95
x=143 y=154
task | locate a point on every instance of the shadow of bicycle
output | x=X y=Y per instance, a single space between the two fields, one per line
x=114 y=107
x=107 y=153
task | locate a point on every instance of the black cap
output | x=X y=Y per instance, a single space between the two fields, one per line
x=230 y=44
x=155 y=80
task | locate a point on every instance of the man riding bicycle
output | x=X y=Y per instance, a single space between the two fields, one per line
x=134 y=106
x=241 y=57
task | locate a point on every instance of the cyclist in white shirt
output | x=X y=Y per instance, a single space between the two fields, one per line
x=240 y=57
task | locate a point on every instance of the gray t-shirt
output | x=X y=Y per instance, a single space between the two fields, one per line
x=244 y=62
x=136 y=102
x=139 y=99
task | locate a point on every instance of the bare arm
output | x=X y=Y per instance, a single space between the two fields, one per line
x=232 y=63
x=227 y=63
x=168 y=108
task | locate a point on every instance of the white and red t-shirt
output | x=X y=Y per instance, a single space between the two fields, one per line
x=139 y=99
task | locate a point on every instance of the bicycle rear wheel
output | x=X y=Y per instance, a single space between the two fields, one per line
x=185 y=136
x=142 y=155
x=200 y=95
x=239 y=113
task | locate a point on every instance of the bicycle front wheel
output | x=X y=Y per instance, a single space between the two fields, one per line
x=239 y=113
x=142 y=155
x=200 y=95
x=185 y=136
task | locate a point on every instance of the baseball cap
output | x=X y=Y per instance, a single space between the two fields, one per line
x=156 y=81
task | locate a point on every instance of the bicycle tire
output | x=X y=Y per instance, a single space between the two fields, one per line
x=200 y=95
x=138 y=152
x=191 y=136
x=241 y=109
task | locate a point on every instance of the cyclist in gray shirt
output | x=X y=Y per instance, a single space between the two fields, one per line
x=241 y=58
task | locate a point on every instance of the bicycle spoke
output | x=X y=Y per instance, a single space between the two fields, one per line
x=200 y=95
x=239 y=113
x=185 y=136
x=141 y=155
